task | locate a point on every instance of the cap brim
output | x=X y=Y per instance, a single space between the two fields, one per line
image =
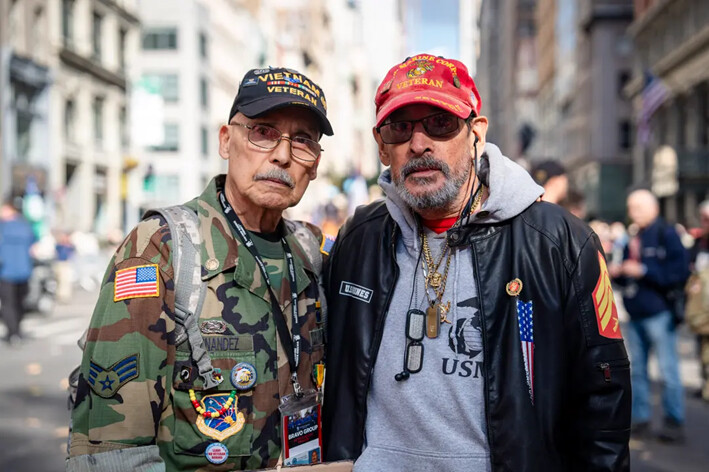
x=266 y=104
x=429 y=97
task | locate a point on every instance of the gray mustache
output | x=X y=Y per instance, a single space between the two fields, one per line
x=276 y=174
x=427 y=162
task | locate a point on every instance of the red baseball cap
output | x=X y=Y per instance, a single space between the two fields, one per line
x=432 y=80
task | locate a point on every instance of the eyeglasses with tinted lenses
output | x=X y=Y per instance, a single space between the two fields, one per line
x=436 y=126
x=268 y=137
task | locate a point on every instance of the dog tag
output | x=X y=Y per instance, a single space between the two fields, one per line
x=415 y=324
x=433 y=321
x=414 y=357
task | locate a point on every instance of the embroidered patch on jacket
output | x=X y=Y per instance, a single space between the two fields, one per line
x=604 y=304
x=136 y=282
x=326 y=244
x=525 y=321
x=106 y=382
x=356 y=291
x=224 y=426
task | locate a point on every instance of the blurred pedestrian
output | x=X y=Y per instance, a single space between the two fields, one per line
x=16 y=240
x=497 y=306
x=575 y=203
x=698 y=295
x=332 y=219
x=603 y=232
x=619 y=236
x=551 y=175
x=654 y=262
x=63 y=266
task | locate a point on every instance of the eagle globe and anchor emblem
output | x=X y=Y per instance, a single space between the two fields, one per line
x=422 y=66
x=465 y=340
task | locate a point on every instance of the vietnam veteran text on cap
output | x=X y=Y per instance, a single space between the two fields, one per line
x=263 y=90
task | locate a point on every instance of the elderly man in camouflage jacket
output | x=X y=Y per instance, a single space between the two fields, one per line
x=141 y=402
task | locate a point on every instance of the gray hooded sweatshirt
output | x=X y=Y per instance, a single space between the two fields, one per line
x=435 y=420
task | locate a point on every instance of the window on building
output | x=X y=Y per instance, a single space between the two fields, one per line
x=24 y=135
x=160 y=38
x=203 y=46
x=68 y=22
x=97 y=108
x=203 y=93
x=122 y=35
x=70 y=121
x=171 y=140
x=168 y=85
x=124 y=139
x=625 y=135
x=204 y=138
x=623 y=79
x=168 y=188
x=96 y=26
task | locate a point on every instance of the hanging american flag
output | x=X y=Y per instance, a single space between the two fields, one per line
x=654 y=95
x=525 y=320
x=136 y=282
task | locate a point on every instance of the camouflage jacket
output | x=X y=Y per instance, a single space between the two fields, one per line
x=135 y=382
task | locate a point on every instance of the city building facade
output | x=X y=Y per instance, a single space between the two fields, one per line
x=507 y=76
x=598 y=121
x=94 y=43
x=584 y=119
x=178 y=142
x=670 y=92
x=65 y=83
x=25 y=84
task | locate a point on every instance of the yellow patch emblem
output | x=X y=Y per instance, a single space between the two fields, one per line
x=604 y=304
x=228 y=424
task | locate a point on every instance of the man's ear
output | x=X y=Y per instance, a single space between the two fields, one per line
x=313 y=170
x=479 y=128
x=224 y=140
x=383 y=154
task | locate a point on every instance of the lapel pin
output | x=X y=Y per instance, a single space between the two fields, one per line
x=514 y=287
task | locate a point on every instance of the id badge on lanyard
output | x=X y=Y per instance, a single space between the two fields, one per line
x=301 y=428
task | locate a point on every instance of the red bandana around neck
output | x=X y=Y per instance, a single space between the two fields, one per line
x=441 y=225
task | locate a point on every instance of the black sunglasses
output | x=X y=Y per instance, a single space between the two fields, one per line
x=436 y=126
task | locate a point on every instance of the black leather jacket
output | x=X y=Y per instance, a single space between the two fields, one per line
x=580 y=419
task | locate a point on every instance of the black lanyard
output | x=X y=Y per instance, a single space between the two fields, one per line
x=291 y=343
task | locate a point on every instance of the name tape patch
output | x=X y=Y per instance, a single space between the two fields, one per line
x=356 y=291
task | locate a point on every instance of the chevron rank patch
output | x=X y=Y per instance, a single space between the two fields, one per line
x=136 y=282
x=604 y=304
x=106 y=382
x=326 y=244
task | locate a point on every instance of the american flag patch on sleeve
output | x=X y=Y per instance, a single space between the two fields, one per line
x=136 y=282
x=326 y=244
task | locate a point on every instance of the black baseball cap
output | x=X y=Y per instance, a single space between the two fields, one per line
x=545 y=170
x=264 y=90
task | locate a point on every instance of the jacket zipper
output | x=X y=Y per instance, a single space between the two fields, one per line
x=380 y=331
x=605 y=367
x=476 y=274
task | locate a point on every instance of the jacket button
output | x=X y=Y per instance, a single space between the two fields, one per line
x=455 y=237
x=483 y=214
x=212 y=264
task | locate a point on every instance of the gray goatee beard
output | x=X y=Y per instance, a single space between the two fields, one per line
x=441 y=198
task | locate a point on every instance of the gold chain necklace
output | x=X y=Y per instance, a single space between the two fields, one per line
x=437 y=312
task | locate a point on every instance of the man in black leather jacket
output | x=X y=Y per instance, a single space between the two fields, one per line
x=472 y=326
